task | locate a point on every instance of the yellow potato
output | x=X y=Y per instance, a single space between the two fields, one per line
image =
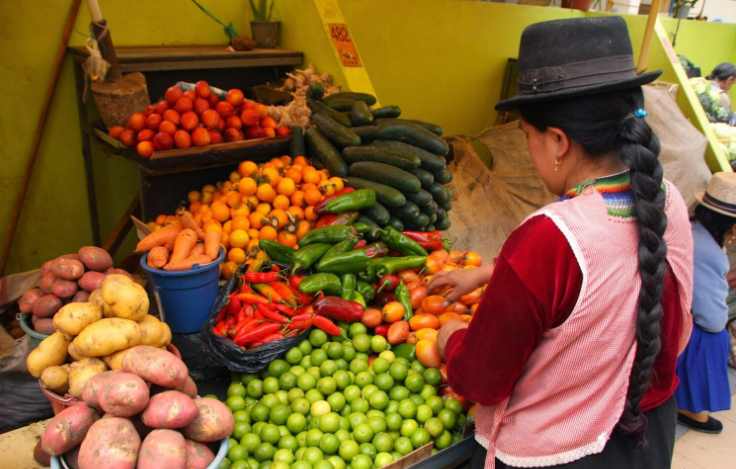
x=74 y=317
x=124 y=298
x=107 y=336
x=154 y=332
x=52 y=351
x=56 y=378
x=82 y=371
x=76 y=356
x=115 y=361
x=96 y=298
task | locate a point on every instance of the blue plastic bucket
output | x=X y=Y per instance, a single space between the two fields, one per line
x=185 y=298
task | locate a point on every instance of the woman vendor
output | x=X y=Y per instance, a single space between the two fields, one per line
x=572 y=352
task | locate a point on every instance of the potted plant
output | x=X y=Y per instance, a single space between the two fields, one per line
x=265 y=32
x=682 y=8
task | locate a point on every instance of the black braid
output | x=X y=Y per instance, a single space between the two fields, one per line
x=604 y=126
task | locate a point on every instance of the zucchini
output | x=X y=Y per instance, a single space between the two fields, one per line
x=408 y=211
x=417 y=223
x=430 y=162
x=368 y=98
x=360 y=114
x=435 y=129
x=443 y=225
x=326 y=153
x=385 y=195
x=450 y=194
x=340 y=104
x=386 y=174
x=378 y=213
x=337 y=133
x=296 y=145
x=432 y=217
x=374 y=232
x=438 y=193
x=443 y=177
x=447 y=206
x=431 y=208
x=367 y=133
x=396 y=224
x=412 y=134
x=397 y=158
x=386 y=112
x=422 y=198
x=441 y=214
x=430 y=227
x=318 y=108
x=425 y=177
x=316 y=90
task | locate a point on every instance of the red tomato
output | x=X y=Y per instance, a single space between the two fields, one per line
x=202 y=89
x=189 y=120
x=184 y=105
x=248 y=104
x=173 y=94
x=182 y=139
x=210 y=119
x=201 y=105
x=167 y=127
x=145 y=149
x=215 y=136
x=232 y=135
x=201 y=137
x=262 y=110
x=268 y=122
x=116 y=132
x=145 y=135
x=268 y=132
x=433 y=304
x=172 y=115
x=137 y=122
x=283 y=131
x=224 y=109
x=153 y=121
x=254 y=132
x=149 y=110
x=234 y=121
x=161 y=107
x=235 y=97
x=213 y=99
x=163 y=141
x=221 y=126
x=128 y=138
x=191 y=95
x=249 y=117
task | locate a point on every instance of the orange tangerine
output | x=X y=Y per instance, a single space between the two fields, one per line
x=240 y=210
x=225 y=241
x=326 y=188
x=212 y=225
x=254 y=234
x=306 y=187
x=303 y=228
x=310 y=214
x=300 y=160
x=294 y=174
x=236 y=255
x=240 y=223
x=203 y=208
x=324 y=174
x=277 y=162
x=311 y=176
x=287 y=239
x=247 y=186
x=235 y=177
x=252 y=245
x=220 y=211
x=160 y=219
x=263 y=208
x=313 y=197
x=297 y=199
x=286 y=187
x=207 y=216
x=197 y=220
x=466 y=317
x=281 y=201
x=247 y=168
x=268 y=232
x=239 y=239
x=227 y=227
x=234 y=198
x=286 y=159
x=194 y=196
x=279 y=215
x=266 y=193
x=296 y=212
x=272 y=175
x=255 y=219
x=194 y=206
x=428 y=334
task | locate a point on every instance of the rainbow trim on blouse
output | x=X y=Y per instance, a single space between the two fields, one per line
x=616 y=192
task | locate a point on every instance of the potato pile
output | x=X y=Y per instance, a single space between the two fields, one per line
x=95 y=336
x=123 y=425
x=67 y=279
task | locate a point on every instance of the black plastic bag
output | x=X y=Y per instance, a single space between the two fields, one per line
x=222 y=351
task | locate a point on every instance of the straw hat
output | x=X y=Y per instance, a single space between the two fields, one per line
x=720 y=196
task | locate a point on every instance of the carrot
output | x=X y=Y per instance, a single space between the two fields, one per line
x=158 y=257
x=212 y=243
x=162 y=237
x=197 y=250
x=188 y=263
x=187 y=221
x=185 y=241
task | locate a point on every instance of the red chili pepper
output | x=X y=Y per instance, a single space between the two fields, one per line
x=320 y=208
x=430 y=240
x=246 y=289
x=295 y=280
x=230 y=322
x=219 y=329
x=303 y=321
x=326 y=325
x=336 y=308
x=234 y=305
x=253 y=298
x=271 y=338
x=249 y=311
x=306 y=309
x=301 y=297
x=245 y=325
x=221 y=316
x=259 y=333
x=383 y=298
x=376 y=250
x=261 y=277
x=361 y=244
x=292 y=333
x=326 y=220
x=382 y=329
x=272 y=314
x=267 y=290
x=286 y=309
x=287 y=295
x=394 y=254
x=275 y=268
x=388 y=283
x=258 y=315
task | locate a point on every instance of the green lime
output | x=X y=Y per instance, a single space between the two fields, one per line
x=278 y=367
x=313 y=396
x=383 y=442
x=356 y=419
x=264 y=452
x=235 y=403
x=368 y=449
x=383 y=459
x=360 y=405
x=407 y=408
x=335 y=350
x=288 y=442
x=435 y=402
x=313 y=437
x=236 y=389
x=327 y=385
x=346 y=411
x=443 y=441
x=393 y=406
x=306 y=382
x=319 y=408
x=417 y=366
x=301 y=406
x=279 y=465
x=337 y=401
x=403 y=445
x=296 y=423
x=361 y=342
x=329 y=423
x=343 y=434
x=403 y=361
x=317 y=337
x=393 y=421
x=299 y=455
x=348 y=351
x=301 y=465
x=378 y=344
x=378 y=425
x=305 y=346
x=414 y=383
x=375 y=413
x=329 y=443
x=380 y=365
x=456 y=437
x=356 y=328
x=351 y=393
x=428 y=391
x=231 y=442
x=361 y=461
x=337 y=462
x=294 y=356
x=424 y=413
x=434 y=427
x=342 y=364
x=398 y=371
x=265 y=465
x=306 y=361
x=363 y=379
x=432 y=376
x=323 y=464
x=249 y=401
x=343 y=379
x=313 y=455
x=408 y=426
x=260 y=412
x=388 y=355
x=226 y=464
x=420 y=437
x=348 y=450
x=344 y=423
x=318 y=357
x=358 y=365
x=398 y=393
x=270 y=433
x=378 y=400
x=280 y=414
x=283 y=396
x=448 y=418
x=462 y=419
x=363 y=433
x=454 y=405
x=265 y=374
x=270 y=401
x=255 y=389
x=246 y=378
x=328 y=368
x=396 y=454
x=283 y=431
x=241 y=416
x=301 y=438
x=241 y=429
x=295 y=394
x=315 y=371
x=417 y=399
x=237 y=453
x=297 y=370
x=384 y=382
x=283 y=455
x=287 y=380
x=256 y=427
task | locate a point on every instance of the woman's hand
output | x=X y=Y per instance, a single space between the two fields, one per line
x=461 y=281
x=446 y=331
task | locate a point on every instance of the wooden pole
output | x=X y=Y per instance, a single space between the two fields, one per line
x=15 y=217
x=646 y=43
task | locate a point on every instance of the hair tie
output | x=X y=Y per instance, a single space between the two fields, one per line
x=640 y=113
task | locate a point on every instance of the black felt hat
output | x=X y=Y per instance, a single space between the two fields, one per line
x=566 y=58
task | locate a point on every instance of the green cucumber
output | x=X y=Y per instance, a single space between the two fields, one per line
x=431 y=207
x=408 y=211
x=441 y=214
x=340 y=105
x=361 y=114
x=374 y=231
x=443 y=225
x=386 y=112
x=397 y=158
x=425 y=177
x=318 y=108
x=337 y=133
x=367 y=133
x=378 y=213
x=396 y=224
x=386 y=174
x=385 y=195
x=412 y=134
x=422 y=198
x=326 y=152
x=443 y=177
x=296 y=145
x=430 y=227
x=432 y=217
x=430 y=162
x=447 y=206
x=435 y=129
x=450 y=194
x=316 y=90
x=438 y=193
x=419 y=222
x=368 y=98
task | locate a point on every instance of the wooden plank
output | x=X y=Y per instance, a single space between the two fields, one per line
x=211 y=64
x=415 y=456
x=118 y=234
x=128 y=54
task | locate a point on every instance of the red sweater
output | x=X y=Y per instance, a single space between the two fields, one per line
x=534 y=287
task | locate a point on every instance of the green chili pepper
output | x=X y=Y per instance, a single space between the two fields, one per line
x=347 y=262
x=389 y=265
x=346 y=245
x=348 y=286
x=404 y=297
x=365 y=290
x=328 y=234
x=369 y=274
x=358 y=298
x=398 y=241
x=375 y=231
x=407 y=351
x=308 y=255
x=356 y=200
x=362 y=228
x=277 y=251
x=327 y=283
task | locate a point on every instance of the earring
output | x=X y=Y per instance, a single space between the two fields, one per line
x=733 y=238
x=557 y=164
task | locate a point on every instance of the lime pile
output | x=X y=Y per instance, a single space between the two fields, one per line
x=324 y=407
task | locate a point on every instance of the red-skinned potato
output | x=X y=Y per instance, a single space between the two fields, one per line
x=199 y=456
x=169 y=409
x=91 y=281
x=69 y=256
x=64 y=288
x=46 y=306
x=118 y=272
x=68 y=269
x=156 y=366
x=163 y=448
x=41 y=456
x=124 y=395
x=28 y=299
x=95 y=258
x=81 y=296
x=72 y=458
x=94 y=386
x=110 y=443
x=68 y=429
x=44 y=326
x=46 y=268
x=190 y=388
x=47 y=281
x=213 y=422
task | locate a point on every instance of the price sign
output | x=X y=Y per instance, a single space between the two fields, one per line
x=344 y=45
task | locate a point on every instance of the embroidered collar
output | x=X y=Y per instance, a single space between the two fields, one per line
x=616 y=192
